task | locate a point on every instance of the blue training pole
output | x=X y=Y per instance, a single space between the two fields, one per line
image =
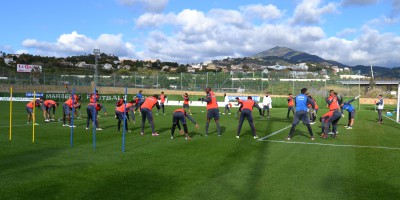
x=123 y=129
x=94 y=118
x=72 y=118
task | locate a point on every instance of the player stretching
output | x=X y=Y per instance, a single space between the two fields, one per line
x=212 y=109
x=72 y=102
x=186 y=102
x=180 y=115
x=123 y=110
x=290 y=105
x=331 y=117
x=301 y=114
x=145 y=109
x=162 y=99
x=247 y=110
x=352 y=112
x=48 y=105
x=92 y=111
x=29 y=108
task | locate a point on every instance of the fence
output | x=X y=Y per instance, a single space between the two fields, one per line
x=278 y=83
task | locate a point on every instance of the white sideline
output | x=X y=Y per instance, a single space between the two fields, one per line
x=333 y=145
x=390 y=118
x=274 y=133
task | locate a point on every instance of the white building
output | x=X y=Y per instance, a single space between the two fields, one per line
x=107 y=66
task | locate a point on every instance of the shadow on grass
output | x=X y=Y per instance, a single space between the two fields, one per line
x=145 y=184
x=19 y=162
x=359 y=187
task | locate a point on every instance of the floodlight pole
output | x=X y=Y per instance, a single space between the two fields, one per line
x=359 y=89
x=96 y=53
x=398 y=102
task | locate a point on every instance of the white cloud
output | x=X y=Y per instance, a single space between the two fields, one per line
x=22 y=51
x=358 y=2
x=383 y=20
x=395 y=8
x=196 y=36
x=147 y=5
x=311 y=12
x=346 y=32
x=265 y=12
x=381 y=47
x=74 y=43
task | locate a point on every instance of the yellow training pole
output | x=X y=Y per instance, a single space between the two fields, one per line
x=33 y=117
x=10 y=137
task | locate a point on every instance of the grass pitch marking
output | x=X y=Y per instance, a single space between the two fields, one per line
x=274 y=133
x=332 y=145
x=391 y=119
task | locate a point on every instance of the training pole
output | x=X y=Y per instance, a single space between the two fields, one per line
x=34 y=117
x=123 y=129
x=72 y=118
x=94 y=118
x=11 y=96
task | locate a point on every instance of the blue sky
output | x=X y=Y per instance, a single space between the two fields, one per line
x=349 y=31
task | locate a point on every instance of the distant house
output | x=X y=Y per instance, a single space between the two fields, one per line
x=353 y=77
x=107 y=66
x=9 y=60
x=211 y=67
x=84 y=65
x=277 y=67
x=300 y=66
x=197 y=66
x=65 y=63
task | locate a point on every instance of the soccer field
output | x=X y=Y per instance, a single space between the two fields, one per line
x=362 y=163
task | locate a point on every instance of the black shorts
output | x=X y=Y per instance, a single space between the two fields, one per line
x=352 y=114
x=301 y=116
x=213 y=113
x=178 y=116
x=185 y=105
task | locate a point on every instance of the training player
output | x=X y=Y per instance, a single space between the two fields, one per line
x=380 y=105
x=138 y=100
x=72 y=102
x=29 y=108
x=48 y=105
x=95 y=97
x=247 y=111
x=352 y=112
x=312 y=112
x=181 y=115
x=162 y=99
x=186 y=102
x=92 y=111
x=124 y=110
x=332 y=117
x=301 y=114
x=146 y=110
x=267 y=101
x=227 y=104
x=240 y=104
x=290 y=105
x=212 y=109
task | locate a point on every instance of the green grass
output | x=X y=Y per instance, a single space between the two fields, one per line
x=204 y=168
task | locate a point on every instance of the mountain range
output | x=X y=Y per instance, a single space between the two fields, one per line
x=286 y=55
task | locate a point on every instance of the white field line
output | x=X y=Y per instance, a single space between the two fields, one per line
x=333 y=145
x=390 y=118
x=274 y=133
